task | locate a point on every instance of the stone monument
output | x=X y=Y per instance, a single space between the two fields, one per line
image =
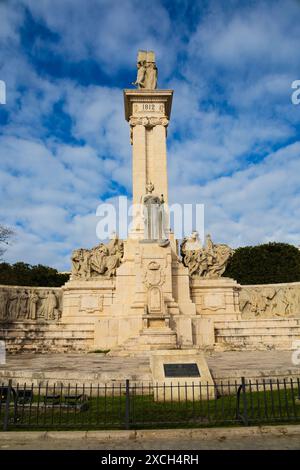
x=140 y=295
x=138 y=292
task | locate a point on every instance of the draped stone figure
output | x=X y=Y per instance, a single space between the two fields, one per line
x=154 y=217
x=151 y=76
x=80 y=262
x=209 y=262
x=102 y=260
x=146 y=71
x=13 y=305
x=116 y=251
x=98 y=258
x=32 y=305
x=48 y=309
x=23 y=301
x=4 y=297
x=141 y=74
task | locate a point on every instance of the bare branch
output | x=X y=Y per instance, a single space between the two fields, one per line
x=6 y=234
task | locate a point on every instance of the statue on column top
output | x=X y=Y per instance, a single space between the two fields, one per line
x=147 y=71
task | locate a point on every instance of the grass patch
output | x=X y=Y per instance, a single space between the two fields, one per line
x=109 y=412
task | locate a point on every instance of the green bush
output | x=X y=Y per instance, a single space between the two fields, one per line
x=22 y=274
x=265 y=264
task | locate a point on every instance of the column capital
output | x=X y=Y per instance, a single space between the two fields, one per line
x=148 y=121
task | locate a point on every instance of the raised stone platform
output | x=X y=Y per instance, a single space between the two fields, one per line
x=257 y=334
x=97 y=368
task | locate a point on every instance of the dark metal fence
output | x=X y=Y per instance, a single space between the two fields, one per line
x=139 y=405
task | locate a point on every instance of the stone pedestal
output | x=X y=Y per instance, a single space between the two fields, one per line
x=216 y=298
x=182 y=386
x=87 y=300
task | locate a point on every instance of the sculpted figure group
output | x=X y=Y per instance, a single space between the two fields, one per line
x=209 y=261
x=146 y=71
x=29 y=304
x=102 y=260
x=270 y=301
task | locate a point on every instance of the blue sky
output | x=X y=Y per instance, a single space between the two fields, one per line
x=234 y=136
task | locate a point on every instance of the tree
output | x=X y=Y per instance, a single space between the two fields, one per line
x=6 y=234
x=269 y=263
x=22 y=274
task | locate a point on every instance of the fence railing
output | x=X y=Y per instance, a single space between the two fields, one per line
x=140 y=405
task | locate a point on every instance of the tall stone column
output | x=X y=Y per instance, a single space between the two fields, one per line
x=148 y=114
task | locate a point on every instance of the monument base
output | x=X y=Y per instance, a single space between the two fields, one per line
x=181 y=375
x=216 y=298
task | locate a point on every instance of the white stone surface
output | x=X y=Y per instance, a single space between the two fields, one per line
x=181 y=388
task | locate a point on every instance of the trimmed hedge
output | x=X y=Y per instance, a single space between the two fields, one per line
x=22 y=274
x=269 y=263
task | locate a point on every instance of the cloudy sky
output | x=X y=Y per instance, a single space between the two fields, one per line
x=234 y=136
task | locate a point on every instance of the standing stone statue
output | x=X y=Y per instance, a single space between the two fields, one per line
x=141 y=74
x=153 y=215
x=146 y=71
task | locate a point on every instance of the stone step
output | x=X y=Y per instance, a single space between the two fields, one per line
x=288 y=331
x=33 y=326
x=60 y=337
x=11 y=334
x=258 y=342
x=252 y=334
x=142 y=345
x=263 y=323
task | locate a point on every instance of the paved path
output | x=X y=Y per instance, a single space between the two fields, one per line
x=222 y=439
x=82 y=367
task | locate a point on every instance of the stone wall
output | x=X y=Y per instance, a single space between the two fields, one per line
x=31 y=321
x=270 y=300
x=25 y=303
x=31 y=318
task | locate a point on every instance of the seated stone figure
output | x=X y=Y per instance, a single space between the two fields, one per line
x=102 y=260
x=209 y=261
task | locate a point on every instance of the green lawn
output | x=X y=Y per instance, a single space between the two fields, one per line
x=109 y=412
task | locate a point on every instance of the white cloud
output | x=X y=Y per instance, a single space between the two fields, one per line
x=231 y=74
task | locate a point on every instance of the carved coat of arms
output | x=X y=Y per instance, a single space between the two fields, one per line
x=153 y=275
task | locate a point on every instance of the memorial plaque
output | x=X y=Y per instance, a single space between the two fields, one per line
x=181 y=370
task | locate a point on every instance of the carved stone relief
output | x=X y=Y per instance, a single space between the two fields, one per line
x=270 y=301
x=29 y=303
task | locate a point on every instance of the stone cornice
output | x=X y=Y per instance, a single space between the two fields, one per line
x=147 y=96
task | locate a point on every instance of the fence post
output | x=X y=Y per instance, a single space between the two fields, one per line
x=245 y=404
x=127 y=405
x=7 y=406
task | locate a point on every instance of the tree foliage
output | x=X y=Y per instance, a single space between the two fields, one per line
x=22 y=274
x=269 y=263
